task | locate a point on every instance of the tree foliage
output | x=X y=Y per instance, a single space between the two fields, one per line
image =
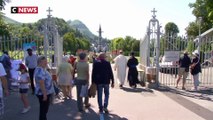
x=4 y=28
x=3 y=3
x=126 y=44
x=171 y=29
x=72 y=43
x=203 y=9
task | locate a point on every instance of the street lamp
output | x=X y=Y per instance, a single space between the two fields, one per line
x=199 y=39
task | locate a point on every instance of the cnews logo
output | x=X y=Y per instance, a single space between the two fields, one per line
x=24 y=10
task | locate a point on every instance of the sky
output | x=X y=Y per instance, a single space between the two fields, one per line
x=118 y=18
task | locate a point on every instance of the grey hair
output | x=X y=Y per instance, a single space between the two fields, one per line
x=65 y=58
x=82 y=56
x=40 y=58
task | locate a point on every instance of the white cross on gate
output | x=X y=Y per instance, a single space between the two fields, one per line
x=49 y=12
x=153 y=11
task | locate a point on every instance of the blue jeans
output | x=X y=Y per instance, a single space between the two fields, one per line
x=100 y=89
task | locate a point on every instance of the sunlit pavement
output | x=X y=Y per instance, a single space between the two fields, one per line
x=124 y=104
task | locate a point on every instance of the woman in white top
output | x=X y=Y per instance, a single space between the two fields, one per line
x=24 y=86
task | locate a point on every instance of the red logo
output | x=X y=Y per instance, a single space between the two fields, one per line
x=24 y=10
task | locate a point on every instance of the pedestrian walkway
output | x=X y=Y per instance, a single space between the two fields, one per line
x=124 y=104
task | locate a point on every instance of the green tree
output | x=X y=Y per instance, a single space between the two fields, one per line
x=204 y=9
x=117 y=43
x=193 y=29
x=171 y=29
x=128 y=41
x=136 y=45
x=69 y=42
x=4 y=28
x=190 y=47
x=3 y=3
x=62 y=26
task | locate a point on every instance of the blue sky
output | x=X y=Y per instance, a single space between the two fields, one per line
x=118 y=18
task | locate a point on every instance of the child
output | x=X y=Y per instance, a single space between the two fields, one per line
x=23 y=87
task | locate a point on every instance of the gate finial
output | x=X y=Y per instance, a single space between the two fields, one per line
x=153 y=11
x=49 y=12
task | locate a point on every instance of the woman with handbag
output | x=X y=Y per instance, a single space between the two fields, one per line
x=82 y=81
x=195 y=69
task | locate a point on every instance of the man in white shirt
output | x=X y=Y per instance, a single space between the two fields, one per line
x=3 y=83
x=31 y=63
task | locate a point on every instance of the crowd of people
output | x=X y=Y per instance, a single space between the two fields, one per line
x=71 y=72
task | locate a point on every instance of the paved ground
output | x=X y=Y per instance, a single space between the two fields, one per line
x=125 y=104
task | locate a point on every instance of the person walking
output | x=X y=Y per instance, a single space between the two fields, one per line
x=195 y=69
x=3 y=83
x=183 y=70
x=44 y=87
x=24 y=86
x=132 y=72
x=65 y=75
x=82 y=71
x=31 y=63
x=120 y=68
x=102 y=75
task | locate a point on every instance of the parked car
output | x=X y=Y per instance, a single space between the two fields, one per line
x=169 y=67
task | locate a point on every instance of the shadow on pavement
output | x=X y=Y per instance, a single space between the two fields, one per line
x=61 y=110
x=138 y=89
x=202 y=94
x=113 y=117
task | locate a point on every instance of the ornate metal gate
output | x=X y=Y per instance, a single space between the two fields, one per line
x=164 y=52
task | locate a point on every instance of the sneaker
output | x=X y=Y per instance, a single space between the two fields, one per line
x=121 y=86
x=106 y=110
x=25 y=110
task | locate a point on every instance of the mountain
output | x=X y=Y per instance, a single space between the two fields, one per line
x=75 y=24
x=10 y=21
x=80 y=26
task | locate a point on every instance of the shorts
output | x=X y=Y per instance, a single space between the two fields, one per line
x=182 y=72
x=23 y=90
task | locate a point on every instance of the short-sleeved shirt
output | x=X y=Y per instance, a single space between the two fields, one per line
x=24 y=78
x=42 y=74
x=82 y=68
x=2 y=73
x=64 y=73
x=31 y=61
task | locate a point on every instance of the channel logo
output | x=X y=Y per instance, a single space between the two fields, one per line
x=24 y=10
